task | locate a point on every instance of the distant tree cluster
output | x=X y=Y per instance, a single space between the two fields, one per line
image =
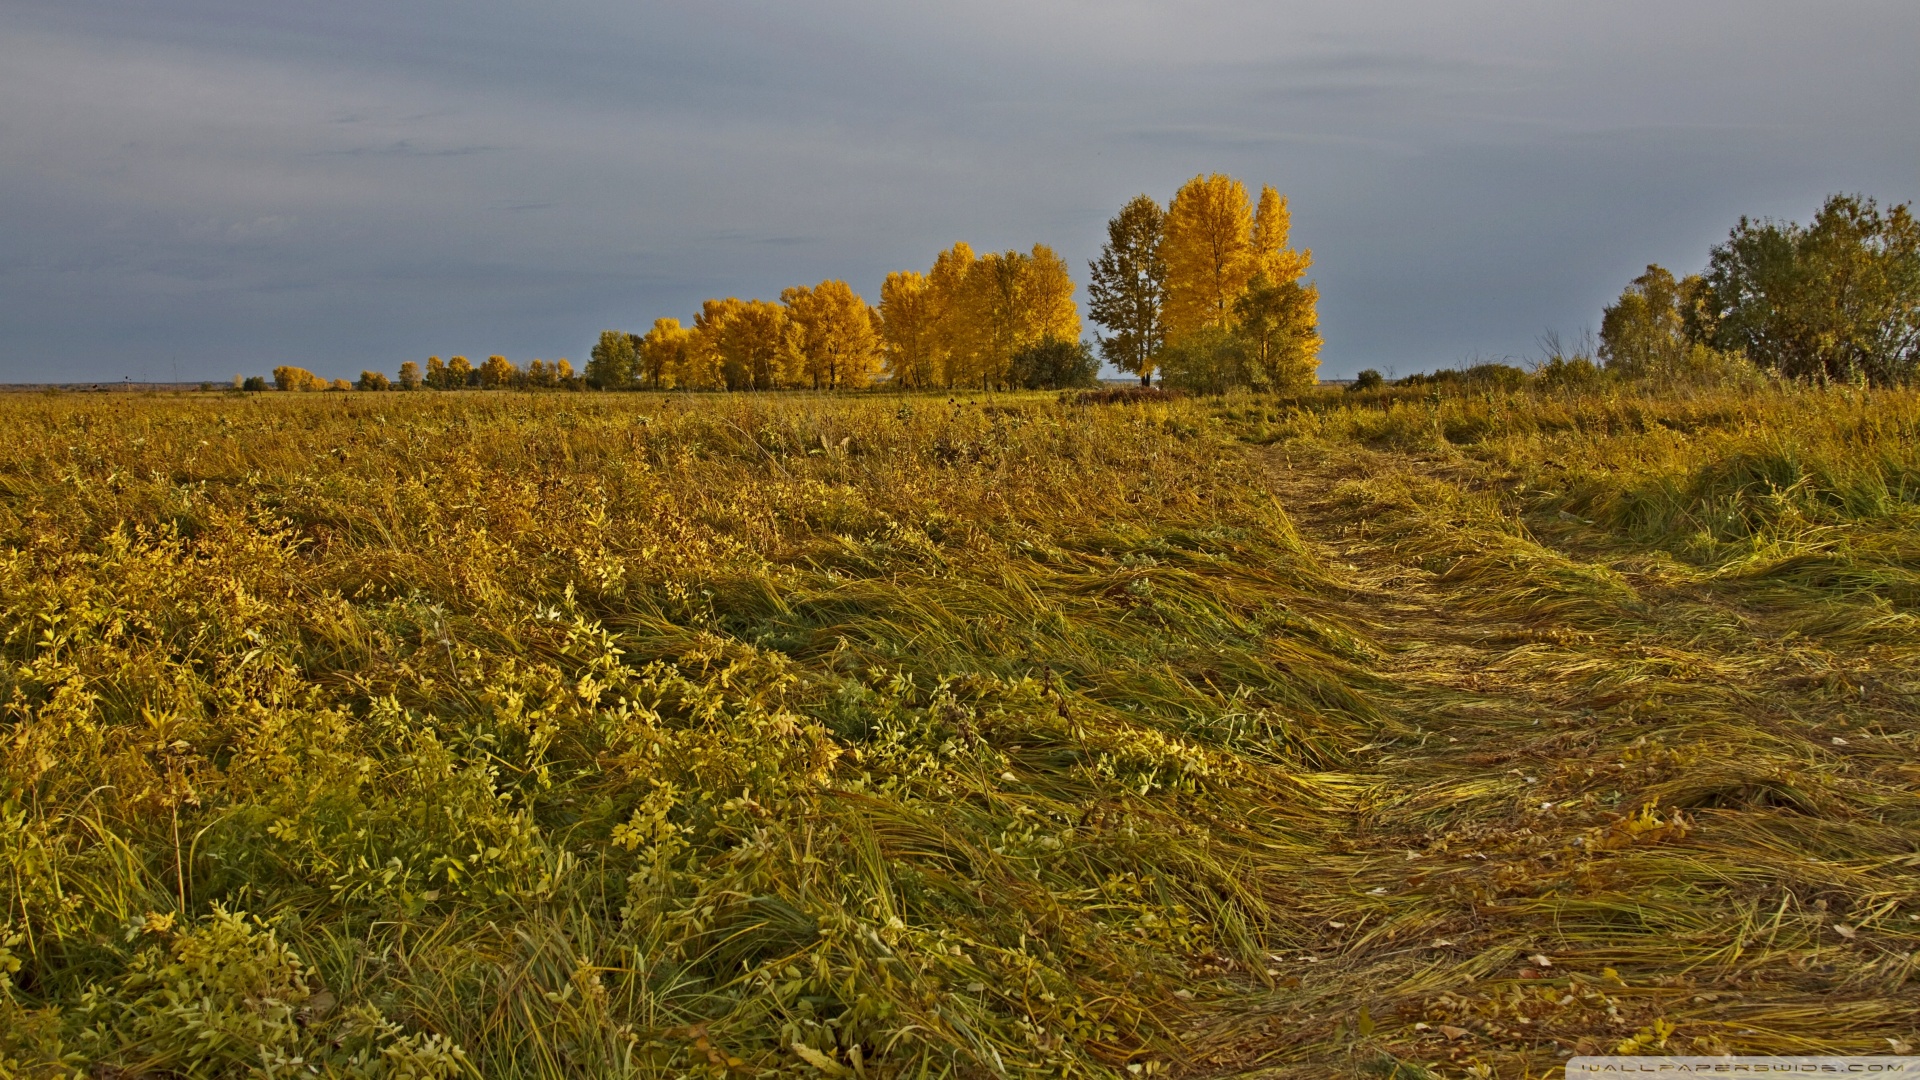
x=287 y=377
x=1005 y=319
x=1207 y=292
x=1836 y=299
x=457 y=373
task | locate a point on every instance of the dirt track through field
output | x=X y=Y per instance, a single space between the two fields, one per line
x=1674 y=829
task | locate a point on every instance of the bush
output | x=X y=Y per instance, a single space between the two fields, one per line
x=1055 y=364
x=1127 y=395
x=1367 y=380
x=1208 y=361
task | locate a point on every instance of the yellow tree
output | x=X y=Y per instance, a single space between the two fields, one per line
x=745 y=342
x=831 y=336
x=705 y=366
x=409 y=375
x=459 y=372
x=1050 y=310
x=1271 y=255
x=907 y=330
x=1208 y=252
x=664 y=354
x=498 y=373
x=288 y=377
x=1013 y=300
x=436 y=373
x=952 y=338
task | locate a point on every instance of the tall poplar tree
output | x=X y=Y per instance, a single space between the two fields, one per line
x=1128 y=285
x=745 y=342
x=1208 y=251
x=831 y=336
x=664 y=354
x=953 y=336
x=1272 y=222
x=1011 y=300
x=906 y=326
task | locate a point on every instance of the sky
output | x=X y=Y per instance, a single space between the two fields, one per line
x=197 y=188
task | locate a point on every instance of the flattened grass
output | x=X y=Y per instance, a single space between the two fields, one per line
x=895 y=736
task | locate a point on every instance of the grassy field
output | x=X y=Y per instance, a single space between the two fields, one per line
x=433 y=735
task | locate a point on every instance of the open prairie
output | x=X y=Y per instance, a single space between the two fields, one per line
x=539 y=734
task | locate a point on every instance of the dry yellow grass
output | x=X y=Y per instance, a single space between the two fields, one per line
x=570 y=735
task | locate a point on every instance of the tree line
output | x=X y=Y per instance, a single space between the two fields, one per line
x=1836 y=299
x=1205 y=292
x=456 y=373
x=1003 y=319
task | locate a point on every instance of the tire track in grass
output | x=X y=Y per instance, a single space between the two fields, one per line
x=1613 y=833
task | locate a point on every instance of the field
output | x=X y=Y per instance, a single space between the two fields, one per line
x=531 y=735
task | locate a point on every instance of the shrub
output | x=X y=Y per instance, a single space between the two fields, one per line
x=1055 y=364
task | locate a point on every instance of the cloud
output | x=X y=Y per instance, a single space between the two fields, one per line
x=355 y=184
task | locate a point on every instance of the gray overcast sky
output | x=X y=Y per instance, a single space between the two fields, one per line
x=217 y=186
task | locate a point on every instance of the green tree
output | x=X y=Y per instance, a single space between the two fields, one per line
x=1055 y=363
x=1127 y=286
x=1839 y=298
x=1205 y=360
x=1275 y=323
x=1643 y=333
x=614 y=360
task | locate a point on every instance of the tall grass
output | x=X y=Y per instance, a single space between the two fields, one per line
x=510 y=735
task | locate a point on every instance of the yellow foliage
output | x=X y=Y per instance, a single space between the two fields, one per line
x=907 y=329
x=1271 y=255
x=947 y=281
x=743 y=345
x=666 y=355
x=1208 y=252
x=288 y=377
x=831 y=340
